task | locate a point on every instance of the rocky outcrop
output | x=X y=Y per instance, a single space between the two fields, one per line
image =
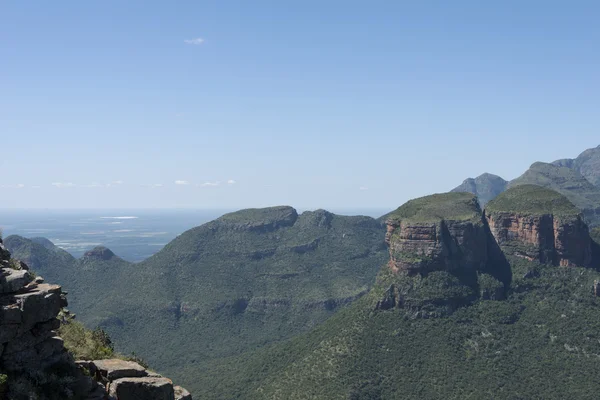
x=443 y=245
x=127 y=380
x=442 y=256
x=539 y=224
x=32 y=353
x=27 y=318
x=544 y=238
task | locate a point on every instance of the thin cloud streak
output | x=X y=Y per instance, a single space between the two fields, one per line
x=194 y=42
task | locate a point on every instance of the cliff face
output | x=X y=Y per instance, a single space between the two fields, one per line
x=539 y=224
x=28 y=318
x=442 y=256
x=421 y=247
x=545 y=238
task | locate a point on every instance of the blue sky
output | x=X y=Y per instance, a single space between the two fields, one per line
x=334 y=104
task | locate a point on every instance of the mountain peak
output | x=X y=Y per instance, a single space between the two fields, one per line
x=486 y=186
x=99 y=253
x=42 y=241
x=262 y=219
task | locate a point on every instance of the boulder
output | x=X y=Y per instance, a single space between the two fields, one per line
x=142 y=388
x=114 y=369
x=12 y=280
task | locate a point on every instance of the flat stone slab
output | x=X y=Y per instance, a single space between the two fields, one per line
x=114 y=369
x=142 y=388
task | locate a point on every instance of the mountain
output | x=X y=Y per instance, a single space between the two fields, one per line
x=485 y=187
x=568 y=182
x=587 y=164
x=537 y=337
x=578 y=179
x=240 y=282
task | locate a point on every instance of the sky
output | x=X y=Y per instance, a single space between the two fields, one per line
x=315 y=104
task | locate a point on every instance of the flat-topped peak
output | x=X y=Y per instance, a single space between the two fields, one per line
x=441 y=206
x=256 y=218
x=532 y=199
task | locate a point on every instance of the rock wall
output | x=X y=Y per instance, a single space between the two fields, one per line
x=545 y=238
x=28 y=318
x=423 y=247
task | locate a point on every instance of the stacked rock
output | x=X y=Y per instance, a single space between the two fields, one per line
x=127 y=380
x=28 y=310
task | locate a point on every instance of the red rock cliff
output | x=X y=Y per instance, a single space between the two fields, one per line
x=563 y=241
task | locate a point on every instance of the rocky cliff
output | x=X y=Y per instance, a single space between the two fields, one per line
x=539 y=224
x=437 y=233
x=442 y=255
x=34 y=362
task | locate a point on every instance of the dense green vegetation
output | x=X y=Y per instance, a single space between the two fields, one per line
x=485 y=187
x=85 y=344
x=237 y=283
x=568 y=182
x=532 y=199
x=449 y=206
x=542 y=342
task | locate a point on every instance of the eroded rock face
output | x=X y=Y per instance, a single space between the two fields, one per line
x=546 y=238
x=418 y=247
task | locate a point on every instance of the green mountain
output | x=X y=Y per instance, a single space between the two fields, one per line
x=587 y=164
x=568 y=182
x=240 y=282
x=578 y=179
x=540 y=340
x=485 y=187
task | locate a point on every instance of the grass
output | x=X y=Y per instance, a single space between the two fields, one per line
x=541 y=342
x=532 y=199
x=446 y=206
x=569 y=182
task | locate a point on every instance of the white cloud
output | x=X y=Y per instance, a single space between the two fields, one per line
x=93 y=185
x=231 y=182
x=61 y=185
x=217 y=183
x=363 y=188
x=117 y=182
x=180 y=182
x=17 y=186
x=153 y=185
x=195 y=42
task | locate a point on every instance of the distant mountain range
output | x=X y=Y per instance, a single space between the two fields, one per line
x=578 y=179
x=489 y=291
x=242 y=281
x=445 y=319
